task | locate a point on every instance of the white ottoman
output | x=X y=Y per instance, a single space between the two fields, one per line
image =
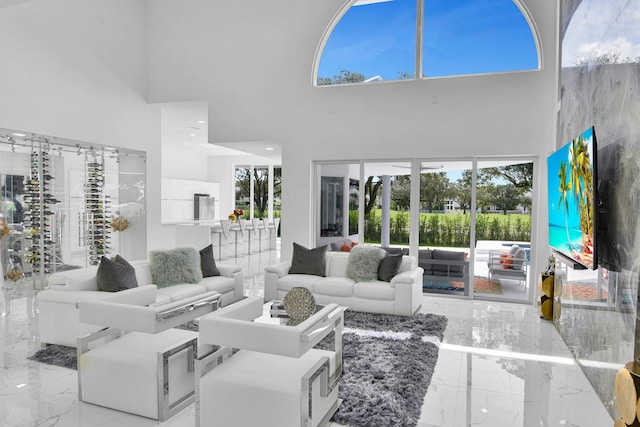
x=260 y=389
x=144 y=374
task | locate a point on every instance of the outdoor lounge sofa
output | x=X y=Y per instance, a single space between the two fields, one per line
x=447 y=265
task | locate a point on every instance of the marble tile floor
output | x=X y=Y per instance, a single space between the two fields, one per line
x=499 y=365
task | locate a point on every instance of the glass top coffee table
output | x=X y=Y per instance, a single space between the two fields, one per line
x=273 y=312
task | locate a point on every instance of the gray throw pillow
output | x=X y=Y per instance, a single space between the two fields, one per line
x=115 y=275
x=308 y=261
x=175 y=266
x=363 y=263
x=389 y=266
x=208 y=263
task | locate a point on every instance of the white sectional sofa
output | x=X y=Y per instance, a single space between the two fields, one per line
x=401 y=296
x=58 y=318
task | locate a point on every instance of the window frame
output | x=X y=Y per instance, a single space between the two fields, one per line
x=418 y=75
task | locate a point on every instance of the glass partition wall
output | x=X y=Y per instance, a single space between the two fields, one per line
x=66 y=203
x=460 y=218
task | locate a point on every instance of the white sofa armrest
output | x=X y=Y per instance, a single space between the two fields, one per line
x=228 y=270
x=124 y=310
x=271 y=275
x=409 y=277
x=281 y=269
x=235 y=272
x=408 y=287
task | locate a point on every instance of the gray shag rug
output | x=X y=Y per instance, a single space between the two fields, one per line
x=57 y=355
x=388 y=362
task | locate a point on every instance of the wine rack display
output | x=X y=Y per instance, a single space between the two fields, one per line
x=41 y=247
x=97 y=210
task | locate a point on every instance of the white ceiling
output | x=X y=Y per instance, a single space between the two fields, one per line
x=185 y=127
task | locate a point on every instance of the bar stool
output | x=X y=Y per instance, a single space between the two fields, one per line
x=248 y=227
x=236 y=227
x=259 y=224
x=222 y=229
x=272 y=226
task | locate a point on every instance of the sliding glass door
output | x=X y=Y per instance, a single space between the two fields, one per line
x=467 y=221
x=387 y=199
x=445 y=224
x=503 y=229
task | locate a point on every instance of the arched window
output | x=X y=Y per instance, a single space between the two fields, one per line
x=379 y=40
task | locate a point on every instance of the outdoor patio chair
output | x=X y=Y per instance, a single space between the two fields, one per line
x=510 y=265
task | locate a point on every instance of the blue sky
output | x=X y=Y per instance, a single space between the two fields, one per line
x=460 y=37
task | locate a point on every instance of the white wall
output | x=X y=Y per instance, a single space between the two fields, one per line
x=76 y=69
x=253 y=62
x=183 y=164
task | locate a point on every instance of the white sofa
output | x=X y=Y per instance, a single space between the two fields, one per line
x=58 y=317
x=402 y=296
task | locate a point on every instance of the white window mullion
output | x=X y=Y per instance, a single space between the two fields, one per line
x=419 y=37
x=251 y=189
x=472 y=224
x=414 y=209
x=271 y=199
x=361 y=204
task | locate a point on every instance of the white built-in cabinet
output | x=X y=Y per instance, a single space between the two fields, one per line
x=178 y=197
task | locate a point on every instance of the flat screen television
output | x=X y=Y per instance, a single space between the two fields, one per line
x=572 y=182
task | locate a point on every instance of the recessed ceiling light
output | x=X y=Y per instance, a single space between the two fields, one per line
x=201 y=122
x=269 y=148
x=18 y=134
x=192 y=134
x=186 y=143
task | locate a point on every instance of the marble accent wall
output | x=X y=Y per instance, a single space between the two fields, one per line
x=599 y=308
